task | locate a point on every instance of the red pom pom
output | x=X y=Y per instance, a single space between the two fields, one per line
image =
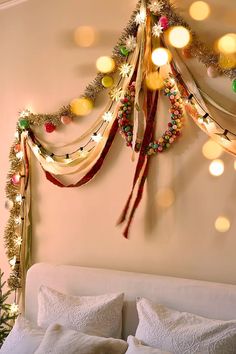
x=49 y=127
x=163 y=21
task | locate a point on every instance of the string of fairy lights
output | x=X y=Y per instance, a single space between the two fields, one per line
x=166 y=26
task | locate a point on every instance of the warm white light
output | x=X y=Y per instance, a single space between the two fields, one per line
x=154 y=81
x=18 y=220
x=161 y=56
x=19 y=198
x=222 y=224
x=235 y=164
x=36 y=149
x=179 y=36
x=49 y=159
x=97 y=137
x=20 y=155
x=211 y=150
x=107 y=116
x=12 y=262
x=227 y=43
x=83 y=153
x=216 y=167
x=105 y=64
x=199 y=10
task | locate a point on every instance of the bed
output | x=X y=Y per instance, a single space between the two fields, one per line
x=208 y=299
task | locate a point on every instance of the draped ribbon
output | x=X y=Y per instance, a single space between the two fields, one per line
x=143 y=162
x=25 y=250
x=139 y=78
x=186 y=81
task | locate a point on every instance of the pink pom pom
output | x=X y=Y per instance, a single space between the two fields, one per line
x=16 y=179
x=49 y=127
x=163 y=21
x=66 y=120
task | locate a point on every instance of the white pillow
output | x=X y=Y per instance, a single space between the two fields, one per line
x=24 y=338
x=182 y=332
x=95 y=315
x=136 y=347
x=60 y=340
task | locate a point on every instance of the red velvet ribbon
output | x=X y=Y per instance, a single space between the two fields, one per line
x=96 y=166
x=143 y=158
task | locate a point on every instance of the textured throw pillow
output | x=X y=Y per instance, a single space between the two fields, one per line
x=95 y=315
x=60 y=340
x=24 y=338
x=136 y=347
x=182 y=332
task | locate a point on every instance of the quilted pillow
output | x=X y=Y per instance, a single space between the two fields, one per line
x=24 y=338
x=136 y=347
x=182 y=332
x=60 y=340
x=95 y=315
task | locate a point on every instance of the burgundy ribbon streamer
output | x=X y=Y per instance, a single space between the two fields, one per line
x=96 y=166
x=148 y=135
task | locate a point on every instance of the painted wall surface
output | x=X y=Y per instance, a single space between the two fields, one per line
x=41 y=67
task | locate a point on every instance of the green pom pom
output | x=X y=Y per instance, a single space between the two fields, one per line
x=234 y=85
x=124 y=51
x=23 y=124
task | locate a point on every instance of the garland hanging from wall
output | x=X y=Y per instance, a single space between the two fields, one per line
x=136 y=81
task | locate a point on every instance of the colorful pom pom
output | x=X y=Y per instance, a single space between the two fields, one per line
x=49 y=127
x=163 y=21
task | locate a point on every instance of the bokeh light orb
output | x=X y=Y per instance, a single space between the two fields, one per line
x=179 y=36
x=154 y=81
x=84 y=36
x=227 y=43
x=222 y=224
x=211 y=150
x=199 y=10
x=165 y=197
x=81 y=106
x=161 y=56
x=216 y=167
x=105 y=64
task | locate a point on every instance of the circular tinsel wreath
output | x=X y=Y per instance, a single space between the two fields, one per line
x=174 y=125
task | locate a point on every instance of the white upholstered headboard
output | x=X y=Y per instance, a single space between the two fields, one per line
x=203 y=298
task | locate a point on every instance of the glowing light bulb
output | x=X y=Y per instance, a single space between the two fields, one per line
x=161 y=56
x=107 y=116
x=36 y=149
x=199 y=10
x=211 y=150
x=216 y=168
x=19 y=198
x=83 y=153
x=179 y=36
x=97 y=137
x=227 y=43
x=84 y=36
x=12 y=262
x=154 y=81
x=222 y=224
x=105 y=64
x=49 y=159
x=81 y=106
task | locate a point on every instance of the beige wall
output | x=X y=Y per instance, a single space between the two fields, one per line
x=42 y=67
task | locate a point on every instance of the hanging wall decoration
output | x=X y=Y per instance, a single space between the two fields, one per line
x=145 y=67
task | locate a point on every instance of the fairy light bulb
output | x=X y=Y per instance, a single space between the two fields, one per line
x=179 y=36
x=19 y=198
x=105 y=64
x=161 y=56
x=18 y=220
x=199 y=10
x=36 y=149
x=216 y=167
x=97 y=137
x=12 y=262
x=222 y=224
x=227 y=43
x=83 y=153
x=20 y=155
x=211 y=150
x=49 y=159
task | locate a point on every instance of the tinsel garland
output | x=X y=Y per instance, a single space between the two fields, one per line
x=197 y=48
